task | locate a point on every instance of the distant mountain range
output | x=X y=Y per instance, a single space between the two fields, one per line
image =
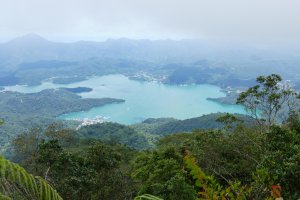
x=31 y=59
x=32 y=47
x=244 y=60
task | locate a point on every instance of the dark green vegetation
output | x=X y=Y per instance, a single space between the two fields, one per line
x=245 y=160
x=91 y=169
x=78 y=89
x=138 y=136
x=48 y=103
x=166 y=126
x=239 y=159
x=23 y=111
x=144 y=135
x=115 y=133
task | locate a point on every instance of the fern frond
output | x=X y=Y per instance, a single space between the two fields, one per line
x=3 y=197
x=147 y=197
x=35 y=186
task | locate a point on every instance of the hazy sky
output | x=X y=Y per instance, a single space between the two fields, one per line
x=259 y=20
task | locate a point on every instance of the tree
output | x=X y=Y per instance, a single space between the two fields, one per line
x=77 y=167
x=229 y=120
x=282 y=159
x=111 y=176
x=160 y=173
x=227 y=155
x=270 y=101
x=49 y=153
x=25 y=149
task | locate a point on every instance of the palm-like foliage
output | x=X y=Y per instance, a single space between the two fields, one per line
x=15 y=178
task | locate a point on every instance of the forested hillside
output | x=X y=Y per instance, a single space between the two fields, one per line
x=23 y=111
x=166 y=126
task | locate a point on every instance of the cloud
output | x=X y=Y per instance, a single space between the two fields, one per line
x=99 y=19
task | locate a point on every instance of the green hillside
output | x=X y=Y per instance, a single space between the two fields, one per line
x=23 y=111
x=166 y=126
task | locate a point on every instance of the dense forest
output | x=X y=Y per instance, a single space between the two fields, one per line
x=242 y=158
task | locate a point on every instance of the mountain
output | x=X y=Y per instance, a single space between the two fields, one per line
x=30 y=39
x=32 y=48
x=162 y=57
x=166 y=126
x=29 y=47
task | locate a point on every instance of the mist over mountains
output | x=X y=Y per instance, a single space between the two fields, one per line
x=32 y=59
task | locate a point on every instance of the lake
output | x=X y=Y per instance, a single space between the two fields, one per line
x=142 y=99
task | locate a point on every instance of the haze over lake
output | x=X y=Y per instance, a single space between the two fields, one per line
x=142 y=99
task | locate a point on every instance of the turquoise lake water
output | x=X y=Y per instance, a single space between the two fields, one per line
x=142 y=99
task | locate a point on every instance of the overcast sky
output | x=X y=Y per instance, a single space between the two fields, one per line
x=69 y=20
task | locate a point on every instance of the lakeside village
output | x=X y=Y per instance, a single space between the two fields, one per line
x=144 y=76
x=90 y=121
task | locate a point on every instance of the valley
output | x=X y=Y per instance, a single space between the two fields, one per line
x=151 y=80
x=100 y=99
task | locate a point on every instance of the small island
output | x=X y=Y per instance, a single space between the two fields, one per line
x=78 y=89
